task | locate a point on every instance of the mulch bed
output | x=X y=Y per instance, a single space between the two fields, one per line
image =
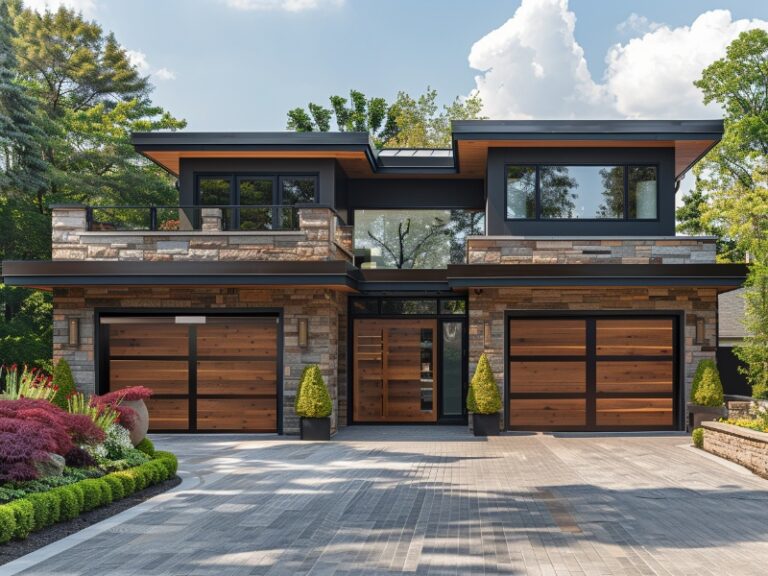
x=18 y=548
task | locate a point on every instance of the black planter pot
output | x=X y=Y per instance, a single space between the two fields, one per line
x=698 y=414
x=485 y=424
x=315 y=428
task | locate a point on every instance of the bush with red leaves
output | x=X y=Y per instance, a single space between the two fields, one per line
x=79 y=458
x=126 y=415
x=30 y=429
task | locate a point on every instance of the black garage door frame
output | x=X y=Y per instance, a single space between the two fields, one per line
x=100 y=345
x=678 y=316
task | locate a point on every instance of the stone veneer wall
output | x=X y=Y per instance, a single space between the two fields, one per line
x=740 y=445
x=590 y=250
x=317 y=239
x=325 y=309
x=490 y=305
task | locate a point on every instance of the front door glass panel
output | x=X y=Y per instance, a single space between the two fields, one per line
x=452 y=369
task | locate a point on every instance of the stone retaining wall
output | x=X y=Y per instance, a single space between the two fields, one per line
x=325 y=310
x=740 y=445
x=318 y=238
x=590 y=250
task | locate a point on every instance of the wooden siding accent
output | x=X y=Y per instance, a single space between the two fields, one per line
x=548 y=412
x=388 y=383
x=542 y=337
x=548 y=377
x=627 y=336
x=256 y=339
x=654 y=377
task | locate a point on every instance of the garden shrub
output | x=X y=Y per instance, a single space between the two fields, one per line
x=79 y=458
x=169 y=461
x=697 y=436
x=91 y=493
x=79 y=493
x=69 y=506
x=118 y=442
x=47 y=508
x=706 y=389
x=129 y=484
x=63 y=384
x=24 y=516
x=314 y=401
x=7 y=524
x=483 y=396
x=115 y=486
x=147 y=447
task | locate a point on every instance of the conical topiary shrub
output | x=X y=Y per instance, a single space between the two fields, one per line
x=483 y=396
x=298 y=389
x=312 y=398
x=706 y=389
x=64 y=384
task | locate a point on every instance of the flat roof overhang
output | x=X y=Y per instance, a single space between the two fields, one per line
x=47 y=274
x=723 y=277
x=691 y=139
x=423 y=281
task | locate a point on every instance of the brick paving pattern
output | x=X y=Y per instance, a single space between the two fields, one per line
x=436 y=501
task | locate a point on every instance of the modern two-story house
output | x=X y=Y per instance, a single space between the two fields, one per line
x=548 y=245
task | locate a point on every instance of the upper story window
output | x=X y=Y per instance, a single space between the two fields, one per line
x=257 y=202
x=609 y=192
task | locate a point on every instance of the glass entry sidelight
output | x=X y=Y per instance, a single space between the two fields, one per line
x=453 y=368
x=395 y=372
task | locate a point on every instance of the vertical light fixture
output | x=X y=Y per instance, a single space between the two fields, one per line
x=699 y=339
x=73 y=337
x=487 y=334
x=303 y=332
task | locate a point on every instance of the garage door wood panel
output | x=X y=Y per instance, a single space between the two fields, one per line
x=630 y=377
x=218 y=373
x=547 y=337
x=550 y=377
x=592 y=373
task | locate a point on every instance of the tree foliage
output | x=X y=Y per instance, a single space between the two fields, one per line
x=407 y=122
x=69 y=100
x=706 y=389
x=483 y=396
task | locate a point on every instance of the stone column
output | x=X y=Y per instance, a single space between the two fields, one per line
x=67 y=223
x=211 y=219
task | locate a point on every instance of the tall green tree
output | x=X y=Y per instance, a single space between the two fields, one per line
x=407 y=122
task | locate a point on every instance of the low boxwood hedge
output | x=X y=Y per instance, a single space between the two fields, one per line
x=20 y=517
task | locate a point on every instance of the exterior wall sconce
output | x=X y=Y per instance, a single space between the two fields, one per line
x=699 y=338
x=73 y=335
x=303 y=325
x=486 y=334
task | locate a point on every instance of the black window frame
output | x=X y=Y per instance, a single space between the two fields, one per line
x=537 y=195
x=234 y=190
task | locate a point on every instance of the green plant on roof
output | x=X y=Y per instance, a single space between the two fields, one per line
x=483 y=396
x=312 y=397
x=706 y=389
x=64 y=384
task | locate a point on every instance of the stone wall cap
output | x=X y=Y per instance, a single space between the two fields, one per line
x=72 y=206
x=576 y=238
x=736 y=431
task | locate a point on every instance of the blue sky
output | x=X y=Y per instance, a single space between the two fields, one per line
x=241 y=64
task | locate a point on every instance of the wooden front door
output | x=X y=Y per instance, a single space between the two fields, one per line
x=207 y=373
x=592 y=373
x=395 y=370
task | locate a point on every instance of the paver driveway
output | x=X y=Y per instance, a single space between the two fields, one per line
x=437 y=501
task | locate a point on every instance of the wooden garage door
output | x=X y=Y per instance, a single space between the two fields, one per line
x=592 y=373
x=207 y=373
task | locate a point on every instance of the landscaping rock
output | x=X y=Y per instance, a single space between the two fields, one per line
x=52 y=466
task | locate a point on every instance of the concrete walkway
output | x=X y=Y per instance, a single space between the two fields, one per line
x=434 y=500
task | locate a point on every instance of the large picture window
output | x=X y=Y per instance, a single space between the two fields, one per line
x=257 y=202
x=557 y=192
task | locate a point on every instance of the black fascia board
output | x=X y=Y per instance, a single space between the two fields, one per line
x=399 y=280
x=489 y=275
x=587 y=129
x=114 y=273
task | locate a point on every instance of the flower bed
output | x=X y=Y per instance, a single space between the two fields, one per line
x=36 y=510
x=738 y=444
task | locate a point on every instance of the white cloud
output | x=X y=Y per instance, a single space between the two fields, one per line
x=653 y=76
x=139 y=60
x=637 y=24
x=533 y=67
x=283 y=5
x=87 y=7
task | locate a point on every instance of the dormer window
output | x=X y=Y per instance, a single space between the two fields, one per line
x=581 y=192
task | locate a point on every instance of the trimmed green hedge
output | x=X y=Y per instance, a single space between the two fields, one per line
x=19 y=518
